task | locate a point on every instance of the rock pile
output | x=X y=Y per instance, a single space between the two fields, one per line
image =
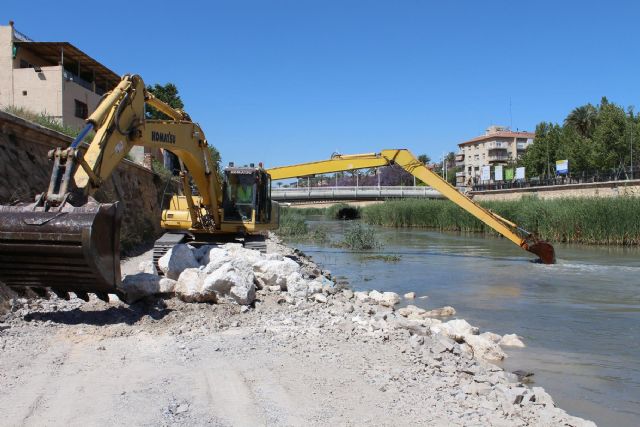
x=227 y=272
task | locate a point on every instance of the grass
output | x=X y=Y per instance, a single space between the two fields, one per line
x=608 y=221
x=293 y=226
x=46 y=121
x=385 y=258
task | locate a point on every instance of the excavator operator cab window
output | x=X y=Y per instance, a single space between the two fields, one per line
x=239 y=194
x=247 y=192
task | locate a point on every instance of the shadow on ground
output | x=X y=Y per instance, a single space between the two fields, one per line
x=111 y=316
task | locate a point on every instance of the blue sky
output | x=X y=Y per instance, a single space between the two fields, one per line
x=291 y=81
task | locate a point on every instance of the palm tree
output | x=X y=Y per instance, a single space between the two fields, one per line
x=582 y=119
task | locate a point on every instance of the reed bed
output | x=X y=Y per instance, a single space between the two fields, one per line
x=606 y=221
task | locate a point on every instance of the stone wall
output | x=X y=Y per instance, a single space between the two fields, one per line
x=596 y=189
x=25 y=172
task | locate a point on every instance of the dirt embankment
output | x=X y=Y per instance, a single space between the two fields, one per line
x=332 y=358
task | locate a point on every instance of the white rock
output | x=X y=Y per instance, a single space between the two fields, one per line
x=482 y=347
x=190 y=287
x=441 y=312
x=511 y=340
x=176 y=260
x=413 y=311
x=274 y=257
x=136 y=286
x=542 y=397
x=389 y=299
x=321 y=298
x=481 y=389
x=315 y=286
x=234 y=280
x=347 y=293
x=410 y=295
x=214 y=258
x=167 y=286
x=361 y=296
x=455 y=329
x=251 y=256
x=297 y=287
x=147 y=267
x=491 y=336
x=375 y=296
x=273 y=272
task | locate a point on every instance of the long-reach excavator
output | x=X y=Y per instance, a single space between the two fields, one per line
x=68 y=242
x=405 y=159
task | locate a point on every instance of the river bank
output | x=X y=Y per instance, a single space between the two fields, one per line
x=332 y=356
x=596 y=221
x=579 y=318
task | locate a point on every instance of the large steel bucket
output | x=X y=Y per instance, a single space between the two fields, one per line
x=74 y=250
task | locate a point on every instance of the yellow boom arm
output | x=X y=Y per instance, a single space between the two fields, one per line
x=120 y=124
x=411 y=164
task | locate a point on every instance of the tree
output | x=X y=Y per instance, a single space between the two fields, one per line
x=424 y=158
x=168 y=94
x=583 y=119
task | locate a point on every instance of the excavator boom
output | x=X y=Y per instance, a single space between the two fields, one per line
x=411 y=164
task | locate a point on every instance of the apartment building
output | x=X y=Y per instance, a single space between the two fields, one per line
x=57 y=79
x=498 y=146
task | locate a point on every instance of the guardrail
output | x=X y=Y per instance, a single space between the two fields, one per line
x=353 y=193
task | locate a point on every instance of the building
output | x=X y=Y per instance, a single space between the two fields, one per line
x=498 y=146
x=53 y=78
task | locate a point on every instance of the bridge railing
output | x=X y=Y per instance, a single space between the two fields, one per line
x=353 y=192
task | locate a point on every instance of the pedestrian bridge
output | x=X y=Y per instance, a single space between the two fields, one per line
x=352 y=193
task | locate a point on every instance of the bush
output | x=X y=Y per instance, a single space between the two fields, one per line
x=361 y=237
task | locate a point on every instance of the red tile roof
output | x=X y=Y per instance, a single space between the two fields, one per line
x=499 y=134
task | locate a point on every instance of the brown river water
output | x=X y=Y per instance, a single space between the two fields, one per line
x=580 y=318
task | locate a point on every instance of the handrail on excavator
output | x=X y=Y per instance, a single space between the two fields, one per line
x=405 y=159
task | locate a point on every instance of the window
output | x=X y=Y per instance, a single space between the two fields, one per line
x=82 y=111
x=24 y=93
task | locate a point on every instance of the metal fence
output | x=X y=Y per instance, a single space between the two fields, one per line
x=582 y=178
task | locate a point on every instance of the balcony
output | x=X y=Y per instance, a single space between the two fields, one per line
x=499 y=157
x=497 y=144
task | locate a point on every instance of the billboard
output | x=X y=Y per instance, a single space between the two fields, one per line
x=486 y=173
x=562 y=167
x=508 y=174
x=497 y=173
x=520 y=173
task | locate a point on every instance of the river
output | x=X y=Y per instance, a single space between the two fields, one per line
x=580 y=318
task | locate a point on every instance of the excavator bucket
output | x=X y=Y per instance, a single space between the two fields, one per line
x=72 y=250
x=544 y=250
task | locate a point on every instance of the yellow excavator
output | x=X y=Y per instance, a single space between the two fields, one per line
x=68 y=242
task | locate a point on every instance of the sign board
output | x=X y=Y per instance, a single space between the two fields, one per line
x=520 y=173
x=562 y=167
x=497 y=173
x=508 y=174
x=486 y=173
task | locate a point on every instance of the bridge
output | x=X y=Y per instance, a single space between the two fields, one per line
x=312 y=194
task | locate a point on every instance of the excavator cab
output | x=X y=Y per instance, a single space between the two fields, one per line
x=246 y=195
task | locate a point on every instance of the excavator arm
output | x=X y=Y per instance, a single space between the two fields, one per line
x=411 y=164
x=68 y=242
